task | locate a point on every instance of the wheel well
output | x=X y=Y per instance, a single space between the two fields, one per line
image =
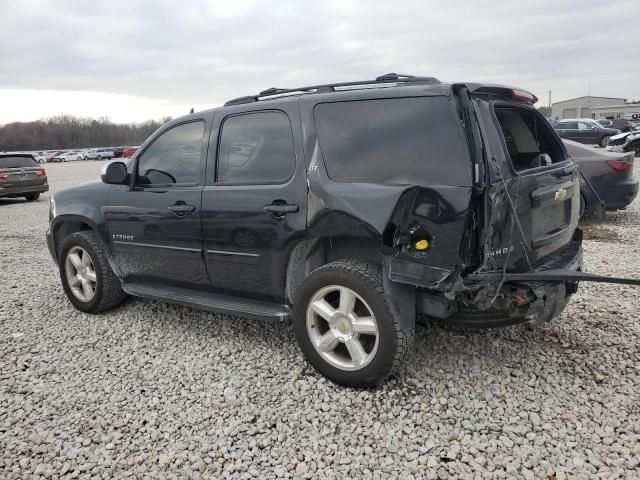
x=65 y=229
x=312 y=254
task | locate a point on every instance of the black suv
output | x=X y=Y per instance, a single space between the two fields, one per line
x=350 y=208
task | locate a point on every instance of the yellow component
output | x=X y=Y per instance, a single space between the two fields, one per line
x=422 y=244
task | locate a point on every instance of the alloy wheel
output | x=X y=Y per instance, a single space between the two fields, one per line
x=342 y=327
x=81 y=274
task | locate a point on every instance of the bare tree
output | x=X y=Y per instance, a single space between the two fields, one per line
x=66 y=131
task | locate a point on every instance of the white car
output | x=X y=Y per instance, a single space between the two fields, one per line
x=67 y=157
x=100 y=153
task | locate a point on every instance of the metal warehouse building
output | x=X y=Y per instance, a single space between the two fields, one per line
x=594 y=107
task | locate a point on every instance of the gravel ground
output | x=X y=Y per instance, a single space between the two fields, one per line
x=158 y=391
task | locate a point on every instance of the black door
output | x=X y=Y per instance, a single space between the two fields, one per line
x=568 y=130
x=588 y=133
x=254 y=204
x=154 y=225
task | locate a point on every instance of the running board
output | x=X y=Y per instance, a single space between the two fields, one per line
x=551 y=276
x=213 y=302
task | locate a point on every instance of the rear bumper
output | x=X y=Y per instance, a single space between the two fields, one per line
x=546 y=299
x=21 y=191
x=620 y=195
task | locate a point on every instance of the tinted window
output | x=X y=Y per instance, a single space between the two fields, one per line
x=567 y=126
x=17 y=162
x=256 y=148
x=393 y=141
x=174 y=157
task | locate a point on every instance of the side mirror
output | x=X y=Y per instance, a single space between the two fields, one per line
x=114 y=173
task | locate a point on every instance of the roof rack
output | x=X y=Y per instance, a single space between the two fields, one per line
x=391 y=79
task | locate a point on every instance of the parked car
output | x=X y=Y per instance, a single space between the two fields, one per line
x=129 y=151
x=621 y=124
x=67 y=157
x=117 y=152
x=584 y=130
x=100 y=154
x=610 y=174
x=50 y=155
x=40 y=157
x=360 y=205
x=22 y=176
x=626 y=142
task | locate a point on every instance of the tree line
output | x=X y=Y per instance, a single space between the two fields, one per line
x=68 y=132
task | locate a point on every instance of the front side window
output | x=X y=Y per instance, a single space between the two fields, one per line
x=585 y=126
x=256 y=148
x=173 y=157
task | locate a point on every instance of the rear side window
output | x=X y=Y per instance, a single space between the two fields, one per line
x=530 y=141
x=568 y=125
x=173 y=157
x=256 y=148
x=17 y=162
x=397 y=141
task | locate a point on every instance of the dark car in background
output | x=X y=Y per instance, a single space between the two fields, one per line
x=584 y=130
x=118 y=151
x=21 y=176
x=610 y=174
x=621 y=124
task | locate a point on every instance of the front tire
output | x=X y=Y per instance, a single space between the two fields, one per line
x=344 y=326
x=87 y=278
x=604 y=141
x=32 y=197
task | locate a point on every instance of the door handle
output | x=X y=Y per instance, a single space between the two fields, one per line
x=281 y=209
x=181 y=208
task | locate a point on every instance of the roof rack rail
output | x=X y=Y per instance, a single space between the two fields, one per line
x=389 y=78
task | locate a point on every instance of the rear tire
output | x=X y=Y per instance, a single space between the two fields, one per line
x=104 y=291
x=32 y=197
x=356 y=341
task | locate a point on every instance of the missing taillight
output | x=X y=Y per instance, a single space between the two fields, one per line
x=620 y=165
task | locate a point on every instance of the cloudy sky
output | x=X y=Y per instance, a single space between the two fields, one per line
x=133 y=60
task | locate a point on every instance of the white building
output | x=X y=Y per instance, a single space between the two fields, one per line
x=594 y=107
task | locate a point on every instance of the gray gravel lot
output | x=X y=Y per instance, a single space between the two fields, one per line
x=139 y=392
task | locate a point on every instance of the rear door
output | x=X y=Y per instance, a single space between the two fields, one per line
x=568 y=130
x=20 y=171
x=254 y=204
x=154 y=224
x=531 y=172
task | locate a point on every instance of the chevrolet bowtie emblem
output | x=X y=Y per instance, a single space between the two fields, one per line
x=561 y=195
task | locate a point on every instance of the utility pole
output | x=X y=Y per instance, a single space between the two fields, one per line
x=549 y=103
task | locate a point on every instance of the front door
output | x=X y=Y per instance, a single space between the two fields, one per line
x=587 y=133
x=254 y=204
x=154 y=224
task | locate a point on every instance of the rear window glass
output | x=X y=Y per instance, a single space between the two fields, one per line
x=402 y=141
x=530 y=141
x=17 y=162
